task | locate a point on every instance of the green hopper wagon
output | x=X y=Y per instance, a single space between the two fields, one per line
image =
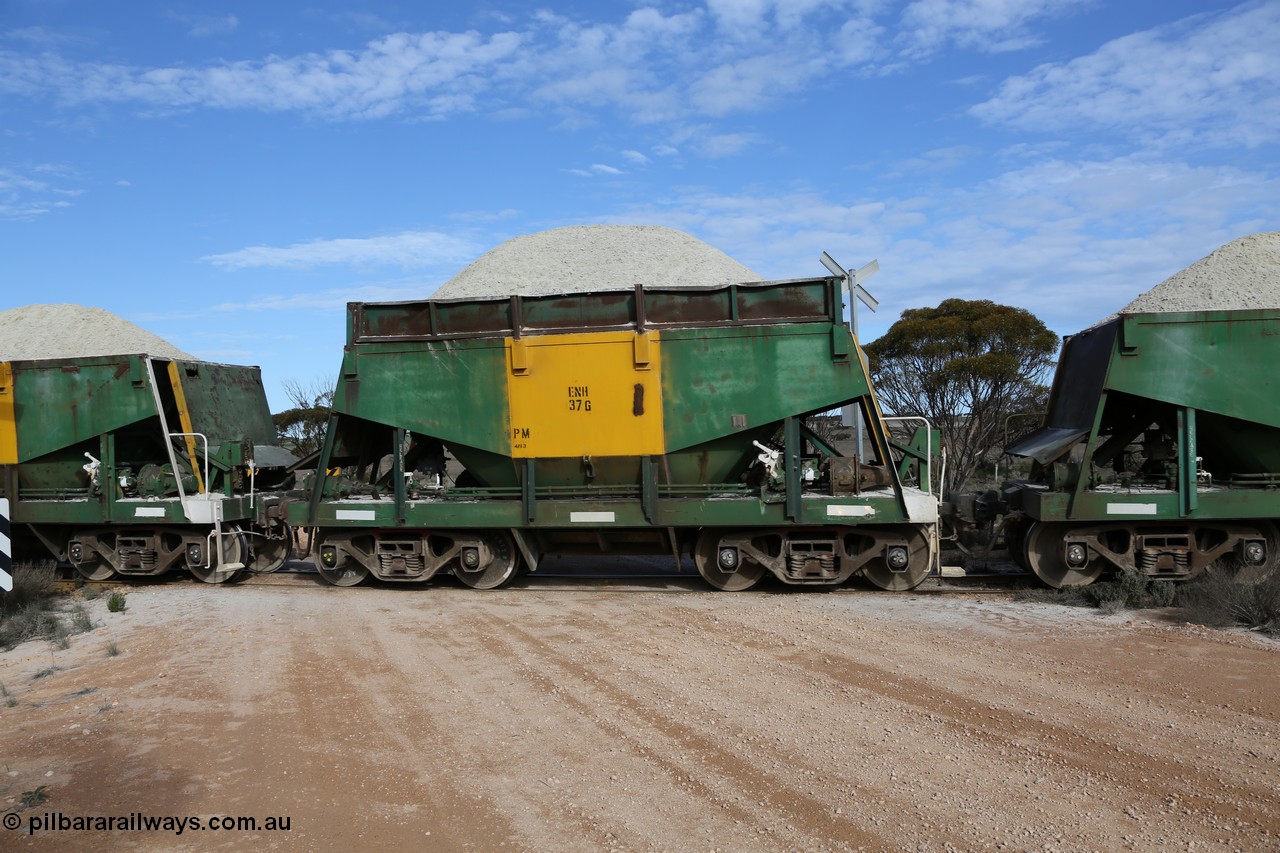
x=1160 y=451
x=471 y=436
x=132 y=465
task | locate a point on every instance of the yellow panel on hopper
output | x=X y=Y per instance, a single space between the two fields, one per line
x=8 y=425
x=593 y=394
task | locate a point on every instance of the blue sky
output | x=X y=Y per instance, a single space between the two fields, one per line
x=230 y=175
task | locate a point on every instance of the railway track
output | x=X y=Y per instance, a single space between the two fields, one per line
x=303 y=574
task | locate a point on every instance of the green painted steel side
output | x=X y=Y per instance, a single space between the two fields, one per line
x=1221 y=362
x=65 y=402
x=67 y=410
x=227 y=402
x=716 y=381
x=453 y=390
x=725 y=385
x=736 y=363
x=58 y=404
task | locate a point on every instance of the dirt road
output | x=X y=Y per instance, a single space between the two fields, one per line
x=646 y=715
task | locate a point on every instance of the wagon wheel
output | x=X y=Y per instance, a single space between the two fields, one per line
x=707 y=557
x=500 y=568
x=235 y=550
x=1043 y=553
x=919 y=563
x=97 y=569
x=343 y=572
x=270 y=554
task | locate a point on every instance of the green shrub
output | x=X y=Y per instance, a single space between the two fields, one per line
x=29 y=622
x=80 y=621
x=1162 y=593
x=112 y=649
x=1111 y=606
x=31 y=799
x=1222 y=598
x=116 y=602
x=1107 y=593
x=1131 y=588
x=31 y=610
x=26 y=611
x=32 y=584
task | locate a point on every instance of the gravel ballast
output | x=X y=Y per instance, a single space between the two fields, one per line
x=75 y=331
x=595 y=257
x=1243 y=274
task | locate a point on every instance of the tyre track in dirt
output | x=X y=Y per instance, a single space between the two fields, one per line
x=511 y=654
x=1105 y=748
x=758 y=732
x=700 y=765
x=633 y=719
x=1056 y=748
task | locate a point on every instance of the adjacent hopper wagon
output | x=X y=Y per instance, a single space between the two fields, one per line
x=473 y=436
x=1160 y=451
x=134 y=464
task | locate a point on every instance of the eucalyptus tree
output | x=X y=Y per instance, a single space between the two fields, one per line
x=966 y=365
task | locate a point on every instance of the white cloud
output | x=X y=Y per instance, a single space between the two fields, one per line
x=1071 y=240
x=30 y=191
x=650 y=66
x=331 y=301
x=596 y=169
x=410 y=249
x=433 y=73
x=202 y=26
x=485 y=215
x=937 y=160
x=739 y=18
x=745 y=84
x=36 y=35
x=859 y=41
x=1206 y=81
x=726 y=144
x=992 y=26
x=635 y=157
x=748 y=20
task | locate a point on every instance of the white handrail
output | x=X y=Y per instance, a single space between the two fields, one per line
x=928 y=446
x=935 y=537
